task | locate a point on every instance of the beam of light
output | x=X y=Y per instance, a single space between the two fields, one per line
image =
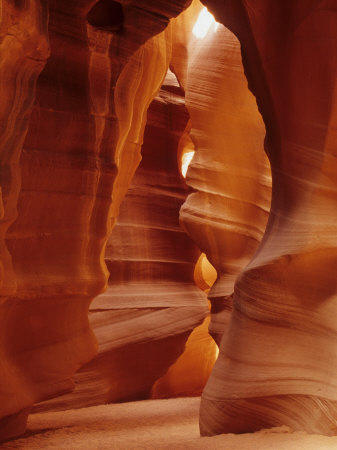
x=185 y=162
x=203 y=24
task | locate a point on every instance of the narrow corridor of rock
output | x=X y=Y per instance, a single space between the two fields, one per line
x=167 y=222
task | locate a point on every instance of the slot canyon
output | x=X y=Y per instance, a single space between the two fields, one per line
x=167 y=179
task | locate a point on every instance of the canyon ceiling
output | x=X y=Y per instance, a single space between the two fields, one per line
x=114 y=266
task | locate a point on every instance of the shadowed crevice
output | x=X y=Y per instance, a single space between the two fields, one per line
x=107 y=15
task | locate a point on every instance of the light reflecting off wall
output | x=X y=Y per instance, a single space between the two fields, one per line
x=185 y=162
x=216 y=351
x=204 y=273
x=204 y=22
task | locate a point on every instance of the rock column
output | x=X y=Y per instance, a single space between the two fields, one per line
x=278 y=365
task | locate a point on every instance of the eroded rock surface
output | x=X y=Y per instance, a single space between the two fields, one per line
x=88 y=97
x=227 y=214
x=65 y=175
x=278 y=365
x=24 y=50
x=151 y=304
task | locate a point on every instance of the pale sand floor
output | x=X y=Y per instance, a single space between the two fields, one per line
x=151 y=424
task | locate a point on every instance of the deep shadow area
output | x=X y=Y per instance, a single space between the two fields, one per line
x=107 y=15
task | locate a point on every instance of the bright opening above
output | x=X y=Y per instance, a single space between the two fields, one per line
x=204 y=21
x=185 y=162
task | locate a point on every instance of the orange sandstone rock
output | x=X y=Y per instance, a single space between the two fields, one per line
x=24 y=50
x=227 y=214
x=108 y=59
x=278 y=364
x=151 y=304
x=71 y=163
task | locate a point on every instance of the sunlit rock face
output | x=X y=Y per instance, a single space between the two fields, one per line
x=227 y=214
x=189 y=374
x=278 y=365
x=89 y=111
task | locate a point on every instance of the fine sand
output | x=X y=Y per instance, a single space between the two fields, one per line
x=150 y=424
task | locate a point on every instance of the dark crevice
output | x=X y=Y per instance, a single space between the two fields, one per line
x=107 y=15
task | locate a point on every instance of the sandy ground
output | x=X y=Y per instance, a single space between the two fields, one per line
x=151 y=424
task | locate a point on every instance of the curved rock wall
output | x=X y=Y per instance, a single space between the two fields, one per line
x=278 y=365
x=151 y=262
x=277 y=362
x=24 y=50
x=151 y=304
x=71 y=162
x=227 y=213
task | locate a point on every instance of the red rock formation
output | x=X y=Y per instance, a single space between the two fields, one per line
x=76 y=143
x=151 y=263
x=24 y=50
x=152 y=304
x=189 y=374
x=227 y=214
x=278 y=365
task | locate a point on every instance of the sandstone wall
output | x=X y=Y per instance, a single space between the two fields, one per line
x=152 y=304
x=278 y=364
x=74 y=99
x=89 y=95
x=227 y=213
x=24 y=50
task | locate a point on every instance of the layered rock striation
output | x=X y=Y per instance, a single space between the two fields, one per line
x=152 y=304
x=278 y=364
x=227 y=213
x=76 y=82
x=89 y=111
x=24 y=49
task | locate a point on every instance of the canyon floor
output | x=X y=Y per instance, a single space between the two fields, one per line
x=150 y=424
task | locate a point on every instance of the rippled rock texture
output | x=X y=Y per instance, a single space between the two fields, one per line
x=82 y=144
x=227 y=213
x=76 y=81
x=24 y=50
x=278 y=364
x=152 y=304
